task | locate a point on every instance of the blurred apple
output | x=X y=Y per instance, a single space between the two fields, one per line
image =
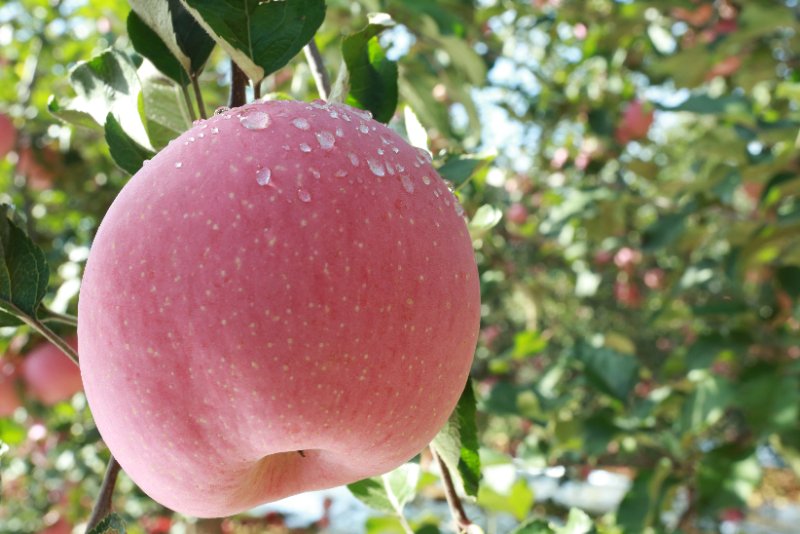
x=627 y=258
x=39 y=166
x=724 y=68
x=627 y=294
x=9 y=398
x=635 y=122
x=517 y=213
x=654 y=278
x=59 y=527
x=49 y=375
x=8 y=135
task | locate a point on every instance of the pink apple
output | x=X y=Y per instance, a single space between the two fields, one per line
x=59 y=527
x=517 y=213
x=49 y=375
x=9 y=398
x=635 y=123
x=8 y=135
x=284 y=299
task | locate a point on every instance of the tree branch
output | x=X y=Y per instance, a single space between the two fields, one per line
x=238 y=86
x=456 y=508
x=103 y=505
x=318 y=70
x=51 y=336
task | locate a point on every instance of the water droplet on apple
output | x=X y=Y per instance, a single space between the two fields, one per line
x=408 y=185
x=363 y=128
x=215 y=130
x=376 y=167
x=303 y=195
x=423 y=156
x=353 y=159
x=339 y=132
x=263 y=176
x=304 y=147
x=301 y=124
x=426 y=180
x=326 y=140
x=255 y=120
x=178 y=164
x=221 y=110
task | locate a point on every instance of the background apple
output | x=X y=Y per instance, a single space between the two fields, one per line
x=8 y=135
x=283 y=277
x=635 y=123
x=9 y=398
x=49 y=375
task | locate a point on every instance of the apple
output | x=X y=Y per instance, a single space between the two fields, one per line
x=49 y=375
x=8 y=135
x=40 y=167
x=635 y=123
x=59 y=527
x=9 y=398
x=517 y=213
x=283 y=299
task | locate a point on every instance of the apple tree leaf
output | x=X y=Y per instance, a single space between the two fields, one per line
x=24 y=272
x=261 y=37
x=126 y=153
x=111 y=524
x=388 y=493
x=150 y=45
x=457 y=443
x=177 y=32
x=165 y=112
x=373 y=77
x=609 y=371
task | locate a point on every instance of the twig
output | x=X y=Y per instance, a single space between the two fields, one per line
x=51 y=336
x=103 y=505
x=238 y=85
x=318 y=70
x=188 y=100
x=55 y=317
x=456 y=508
x=198 y=95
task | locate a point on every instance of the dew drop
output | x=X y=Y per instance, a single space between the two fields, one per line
x=339 y=132
x=315 y=173
x=215 y=130
x=376 y=167
x=389 y=169
x=178 y=164
x=363 y=113
x=426 y=180
x=301 y=124
x=196 y=122
x=263 y=176
x=304 y=147
x=423 y=156
x=334 y=114
x=459 y=209
x=353 y=159
x=381 y=152
x=395 y=150
x=303 y=195
x=341 y=173
x=221 y=110
x=326 y=140
x=255 y=120
x=363 y=128
x=408 y=185
x=346 y=117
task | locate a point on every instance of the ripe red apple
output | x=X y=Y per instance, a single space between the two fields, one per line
x=59 y=527
x=284 y=299
x=635 y=123
x=9 y=398
x=517 y=213
x=8 y=135
x=49 y=375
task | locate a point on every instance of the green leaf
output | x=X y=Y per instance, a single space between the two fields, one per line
x=486 y=217
x=706 y=405
x=460 y=169
x=517 y=501
x=127 y=153
x=457 y=443
x=640 y=509
x=528 y=343
x=11 y=432
x=24 y=273
x=578 y=522
x=111 y=524
x=373 y=77
x=150 y=45
x=165 y=112
x=178 y=32
x=533 y=525
x=789 y=279
x=261 y=37
x=609 y=371
x=727 y=477
x=663 y=232
x=388 y=493
x=769 y=401
x=106 y=84
x=71 y=116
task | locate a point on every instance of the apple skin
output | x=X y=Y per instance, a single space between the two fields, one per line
x=49 y=375
x=8 y=135
x=226 y=325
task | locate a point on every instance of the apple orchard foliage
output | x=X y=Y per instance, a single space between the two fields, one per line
x=636 y=239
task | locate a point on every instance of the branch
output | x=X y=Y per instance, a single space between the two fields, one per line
x=56 y=317
x=238 y=85
x=318 y=70
x=201 y=107
x=103 y=505
x=456 y=508
x=51 y=336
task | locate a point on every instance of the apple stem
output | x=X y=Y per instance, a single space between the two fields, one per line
x=103 y=505
x=238 y=85
x=188 y=101
x=453 y=500
x=198 y=95
x=321 y=77
x=256 y=90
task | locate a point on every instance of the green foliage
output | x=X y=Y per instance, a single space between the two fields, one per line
x=112 y=524
x=24 y=273
x=388 y=493
x=372 y=76
x=457 y=443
